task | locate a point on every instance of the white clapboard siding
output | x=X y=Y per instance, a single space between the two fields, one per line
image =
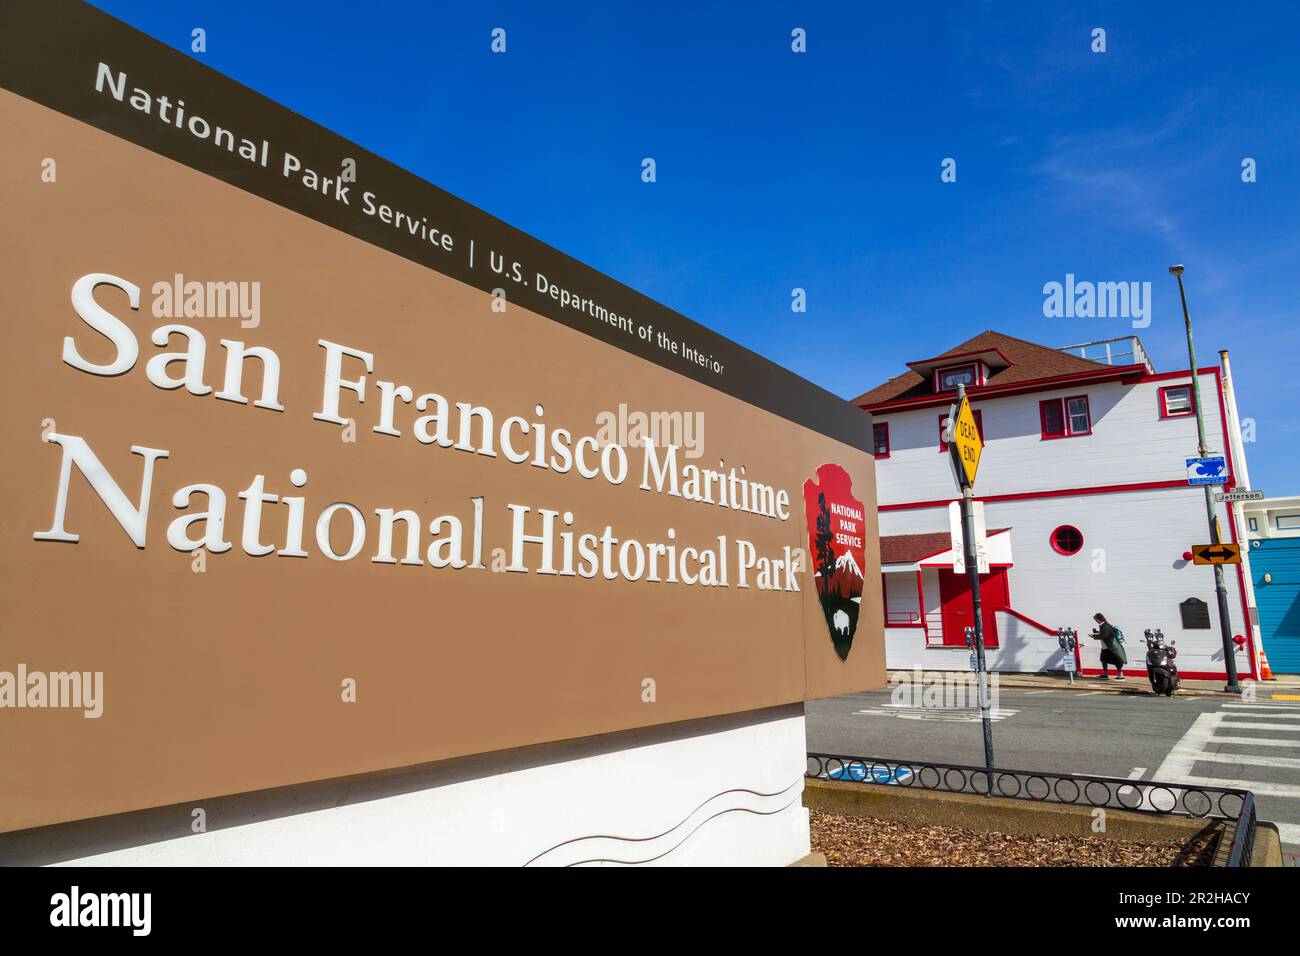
x=1129 y=444
x=900 y=593
x=1022 y=649
x=1130 y=569
x=933 y=617
x=1131 y=566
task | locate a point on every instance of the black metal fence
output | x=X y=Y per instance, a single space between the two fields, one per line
x=1243 y=837
x=1113 y=793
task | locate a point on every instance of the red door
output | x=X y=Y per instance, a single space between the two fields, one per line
x=958 y=612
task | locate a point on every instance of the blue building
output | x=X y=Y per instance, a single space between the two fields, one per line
x=1273 y=529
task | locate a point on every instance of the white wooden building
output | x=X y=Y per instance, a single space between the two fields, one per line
x=1087 y=504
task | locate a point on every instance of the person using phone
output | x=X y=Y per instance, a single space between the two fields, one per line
x=1112 y=649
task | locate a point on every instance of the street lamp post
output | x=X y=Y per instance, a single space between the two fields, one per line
x=1220 y=588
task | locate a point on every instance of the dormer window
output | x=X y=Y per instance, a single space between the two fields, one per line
x=972 y=369
x=947 y=379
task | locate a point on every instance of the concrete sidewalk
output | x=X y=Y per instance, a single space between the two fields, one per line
x=1285 y=688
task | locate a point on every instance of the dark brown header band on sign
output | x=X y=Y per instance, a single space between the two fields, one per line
x=51 y=52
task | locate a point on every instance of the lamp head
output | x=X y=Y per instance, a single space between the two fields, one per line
x=1175 y=270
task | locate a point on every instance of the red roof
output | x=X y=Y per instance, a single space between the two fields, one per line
x=911 y=548
x=1028 y=363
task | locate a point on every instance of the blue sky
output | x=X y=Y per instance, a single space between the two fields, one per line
x=821 y=170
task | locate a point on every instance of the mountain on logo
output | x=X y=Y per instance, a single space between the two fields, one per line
x=846 y=564
x=845 y=581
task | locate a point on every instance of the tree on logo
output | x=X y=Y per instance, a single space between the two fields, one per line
x=825 y=553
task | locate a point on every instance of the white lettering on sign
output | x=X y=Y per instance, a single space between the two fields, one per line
x=847 y=529
x=544 y=540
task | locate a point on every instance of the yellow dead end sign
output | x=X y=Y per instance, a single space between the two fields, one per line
x=966 y=443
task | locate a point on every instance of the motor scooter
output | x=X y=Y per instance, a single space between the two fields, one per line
x=1162 y=672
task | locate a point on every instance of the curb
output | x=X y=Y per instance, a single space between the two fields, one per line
x=1127 y=688
x=1132 y=687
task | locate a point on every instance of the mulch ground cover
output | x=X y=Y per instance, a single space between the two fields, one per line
x=866 y=841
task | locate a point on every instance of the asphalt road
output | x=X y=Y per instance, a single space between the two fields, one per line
x=1254 y=745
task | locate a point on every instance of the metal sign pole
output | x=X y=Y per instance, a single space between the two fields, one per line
x=1220 y=588
x=973 y=572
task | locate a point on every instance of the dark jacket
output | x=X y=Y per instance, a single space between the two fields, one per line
x=1110 y=640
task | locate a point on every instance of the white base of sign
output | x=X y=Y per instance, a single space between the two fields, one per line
x=722 y=791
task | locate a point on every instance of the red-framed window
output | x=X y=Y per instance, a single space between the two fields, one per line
x=1065 y=417
x=880 y=439
x=1176 y=401
x=1067 y=540
x=947 y=378
x=979 y=427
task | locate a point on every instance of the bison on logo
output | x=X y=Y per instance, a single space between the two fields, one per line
x=836 y=542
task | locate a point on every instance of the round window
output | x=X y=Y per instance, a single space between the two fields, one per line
x=1067 y=539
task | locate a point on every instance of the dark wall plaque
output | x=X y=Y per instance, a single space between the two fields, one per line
x=1196 y=614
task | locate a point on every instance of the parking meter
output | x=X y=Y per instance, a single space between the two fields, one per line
x=1068 y=639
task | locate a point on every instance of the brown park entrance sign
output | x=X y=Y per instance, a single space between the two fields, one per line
x=313 y=469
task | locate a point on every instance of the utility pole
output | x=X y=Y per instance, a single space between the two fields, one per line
x=1221 y=589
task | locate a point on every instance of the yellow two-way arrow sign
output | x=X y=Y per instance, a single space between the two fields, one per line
x=1216 y=554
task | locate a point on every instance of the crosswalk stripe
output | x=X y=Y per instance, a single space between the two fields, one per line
x=1264 y=789
x=1134 y=774
x=1251 y=760
x=1178 y=762
x=1210 y=731
x=950 y=714
x=1254 y=741
x=1276 y=728
x=1261 y=705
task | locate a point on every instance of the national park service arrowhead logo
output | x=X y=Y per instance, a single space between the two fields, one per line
x=837 y=546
